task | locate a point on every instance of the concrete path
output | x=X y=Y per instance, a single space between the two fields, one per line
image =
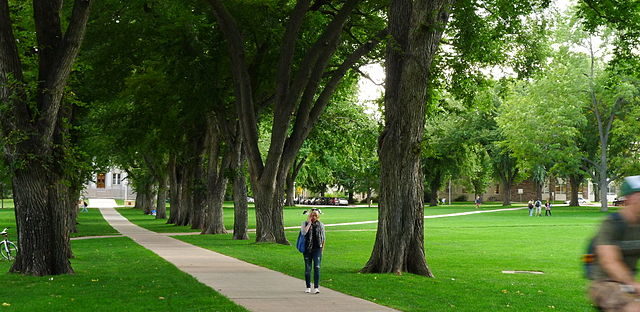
x=101 y=203
x=254 y=287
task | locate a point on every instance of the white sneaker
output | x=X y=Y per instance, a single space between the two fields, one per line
x=308 y=291
x=316 y=291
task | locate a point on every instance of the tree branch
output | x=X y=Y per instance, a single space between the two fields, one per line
x=243 y=90
x=56 y=71
x=11 y=76
x=307 y=78
x=365 y=75
x=289 y=41
x=305 y=120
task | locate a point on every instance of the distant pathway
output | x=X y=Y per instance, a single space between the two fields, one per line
x=256 y=288
x=426 y=217
x=457 y=214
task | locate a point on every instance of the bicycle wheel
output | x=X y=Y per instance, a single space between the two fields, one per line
x=8 y=250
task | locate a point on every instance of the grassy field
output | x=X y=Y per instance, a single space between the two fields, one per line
x=89 y=223
x=293 y=216
x=7 y=203
x=467 y=255
x=111 y=274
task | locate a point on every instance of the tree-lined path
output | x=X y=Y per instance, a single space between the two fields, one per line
x=254 y=287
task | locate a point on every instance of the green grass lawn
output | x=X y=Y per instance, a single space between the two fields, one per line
x=7 y=203
x=466 y=254
x=293 y=216
x=111 y=274
x=89 y=223
x=93 y=224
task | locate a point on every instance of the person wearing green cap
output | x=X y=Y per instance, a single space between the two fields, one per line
x=617 y=250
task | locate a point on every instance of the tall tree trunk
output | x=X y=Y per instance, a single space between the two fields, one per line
x=199 y=200
x=416 y=29
x=574 y=182
x=507 y=187
x=186 y=203
x=175 y=190
x=290 y=190
x=433 y=197
x=74 y=195
x=269 y=207
x=218 y=164
x=297 y=95
x=603 y=183
x=240 y=207
x=291 y=178
x=214 y=223
x=41 y=197
x=161 y=202
x=538 y=186
x=43 y=237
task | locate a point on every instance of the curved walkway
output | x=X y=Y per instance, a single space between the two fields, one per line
x=256 y=288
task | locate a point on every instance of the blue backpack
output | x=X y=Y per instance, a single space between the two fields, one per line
x=589 y=258
x=301 y=244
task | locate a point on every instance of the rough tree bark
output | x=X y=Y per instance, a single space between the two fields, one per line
x=538 y=186
x=41 y=198
x=199 y=201
x=416 y=29
x=552 y=188
x=574 y=182
x=161 y=200
x=506 y=169
x=297 y=96
x=186 y=198
x=175 y=185
x=192 y=181
x=219 y=161
x=604 y=119
x=240 y=207
x=291 y=178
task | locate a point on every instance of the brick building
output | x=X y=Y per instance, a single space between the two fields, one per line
x=525 y=190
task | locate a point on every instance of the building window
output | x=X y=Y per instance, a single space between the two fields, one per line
x=497 y=188
x=100 y=180
x=116 y=179
x=561 y=188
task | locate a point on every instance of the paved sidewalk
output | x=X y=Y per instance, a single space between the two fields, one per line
x=256 y=288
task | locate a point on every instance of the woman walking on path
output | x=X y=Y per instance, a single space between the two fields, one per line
x=313 y=231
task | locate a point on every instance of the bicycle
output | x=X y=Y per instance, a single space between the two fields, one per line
x=8 y=249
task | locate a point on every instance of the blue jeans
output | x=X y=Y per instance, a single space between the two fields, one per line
x=314 y=255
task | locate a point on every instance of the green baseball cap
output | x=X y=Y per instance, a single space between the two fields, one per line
x=630 y=185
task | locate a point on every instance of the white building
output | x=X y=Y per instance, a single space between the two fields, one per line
x=113 y=184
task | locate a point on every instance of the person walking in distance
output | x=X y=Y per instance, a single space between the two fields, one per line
x=616 y=250
x=530 y=205
x=314 y=234
x=547 y=209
